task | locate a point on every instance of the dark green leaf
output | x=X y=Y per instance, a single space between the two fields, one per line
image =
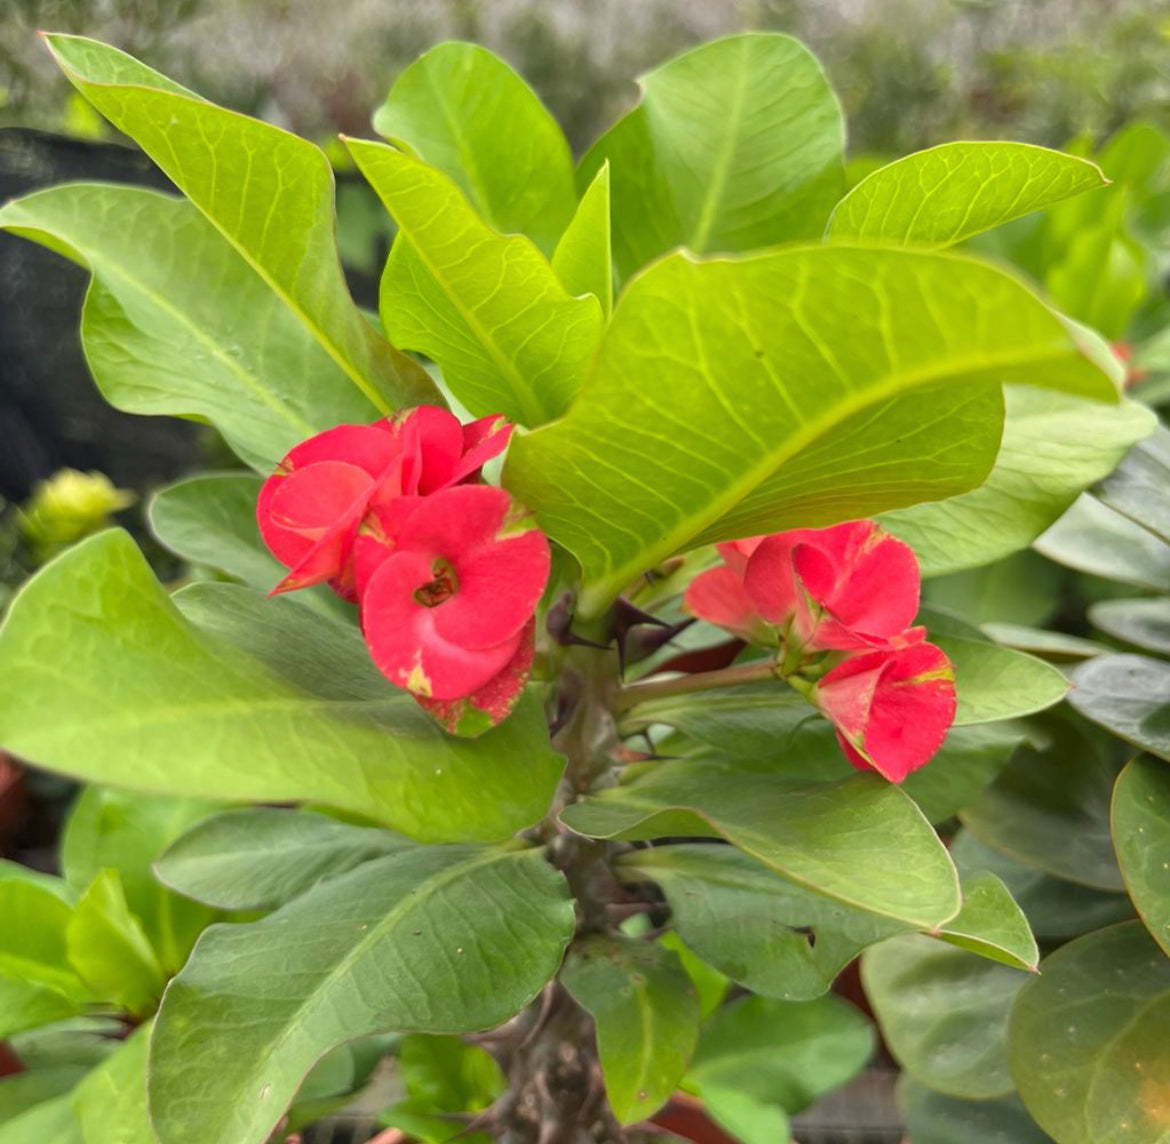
x=1087 y=1041
x=992 y=925
x=943 y=1013
x=647 y=1017
x=466 y=112
x=932 y=1118
x=900 y=411
x=1143 y=623
x=735 y=145
x=176 y=322
x=1130 y=696
x=435 y=939
x=860 y=841
x=1141 y=834
x=948 y=193
x=1139 y=488
x=260 y=858
x=487 y=307
x=269 y=193
x=764 y=932
x=1050 y=808
x=993 y=683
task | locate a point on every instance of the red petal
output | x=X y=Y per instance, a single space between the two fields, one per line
x=719 y=597
x=770 y=580
x=438 y=438
x=482 y=440
x=403 y=640
x=494 y=701
x=735 y=553
x=370 y=447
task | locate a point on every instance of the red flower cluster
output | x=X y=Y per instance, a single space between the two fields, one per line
x=447 y=572
x=849 y=589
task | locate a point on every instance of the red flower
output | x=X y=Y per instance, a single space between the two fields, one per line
x=310 y=509
x=891 y=707
x=448 y=588
x=841 y=588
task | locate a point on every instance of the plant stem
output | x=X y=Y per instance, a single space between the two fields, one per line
x=637 y=693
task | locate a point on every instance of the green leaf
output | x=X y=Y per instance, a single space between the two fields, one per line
x=1054 y=446
x=259 y=858
x=932 y=1118
x=176 y=322
x=897 y=411
x=1022 y=588
x=110 y=951
x=1087 y=1041
x=735 y=145
x=765 y=933
x=1049 y=807
x=1038 y=641
x=944 y=1013
x=110 y=1104
x=1141 y=834
x=51 y=1120
x=860 y=841
x=466 y=112
x=583 y=260
x=144 y=698
x=269 y=193
x=782 y=1052
x=122 y=831
x=1128 y=695
x=434 y=939
x=1091 y=537
x=1143 y=623
x=749 y=1120
x=711 y=986
x=1056 y=909
x=992 y=925
x=1139 y=488
x=647 y=1017
x=994 y=683
x=1100 y=278
x=945 y=194
x=22 y=1091
x=448 y=1073
x=487 y=307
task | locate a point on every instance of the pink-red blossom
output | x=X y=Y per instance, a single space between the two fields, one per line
x=309 y=511
x=891 y=708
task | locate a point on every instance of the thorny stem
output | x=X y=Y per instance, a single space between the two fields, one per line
x=636 y=693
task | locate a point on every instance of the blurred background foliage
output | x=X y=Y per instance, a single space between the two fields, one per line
x=910 y=72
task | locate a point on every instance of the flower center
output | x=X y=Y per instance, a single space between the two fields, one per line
x=439 y=589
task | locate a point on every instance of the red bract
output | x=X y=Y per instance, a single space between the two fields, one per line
x=841 y=588
x=445 y=608
x=310 y=509
x=892 y=707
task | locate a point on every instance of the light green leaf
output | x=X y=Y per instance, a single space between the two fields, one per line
x=466 y=112
x=944 y=1013
x=123 y=831
x=110 y=1104
x=945 y=194
x=1128 y=695
x=450 y=1074
x=259 y=858
x=269 y=193
x=1091 y=537
x=145 y=699
x=1087 y=1041
x=782 y=1052
x=1100 y=278
x=1049 y=807
x=1038 y=641
x=711 y=986
x=1056 y=909
x=860 y=841
x=435 y=939
x=856 y=404
x=735 y=145
x=1054 y=446
x=1139 y=488
x=647 y=1017
x=487 y=307
x=992 y=925
x=176 y=322
x=583 y=260
x=1143 y=623
x=1141 y=835
x=29 y=1005
x=993 y=682
x=932 y=1118
x=749 y=1120
x=51 y=1120
x=764 y=932
x=22 y=1091
x=110 y=951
